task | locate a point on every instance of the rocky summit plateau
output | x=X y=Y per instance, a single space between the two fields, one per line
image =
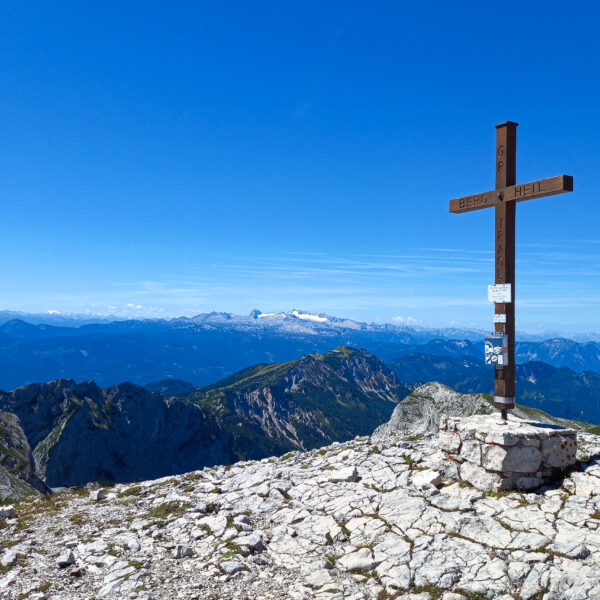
x=370 y=518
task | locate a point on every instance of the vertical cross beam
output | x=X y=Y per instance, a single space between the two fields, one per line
x=506 y=175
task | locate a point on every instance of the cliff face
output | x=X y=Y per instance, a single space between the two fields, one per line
x=81 y=433
x=303 y=404
x=17 y=473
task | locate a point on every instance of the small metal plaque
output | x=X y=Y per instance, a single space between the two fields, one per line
x=499 y=318
x=496 y=350
x=500 y=293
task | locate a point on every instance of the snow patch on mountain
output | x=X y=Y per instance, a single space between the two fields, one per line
x=310 y=317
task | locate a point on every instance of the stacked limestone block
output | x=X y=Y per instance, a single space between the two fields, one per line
x=492 y=456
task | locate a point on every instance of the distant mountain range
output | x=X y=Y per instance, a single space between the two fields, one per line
x=210 y=347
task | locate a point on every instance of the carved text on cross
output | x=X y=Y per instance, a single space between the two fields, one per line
x=513 y=193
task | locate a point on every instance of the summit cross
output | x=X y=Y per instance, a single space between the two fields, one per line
x=504 y=199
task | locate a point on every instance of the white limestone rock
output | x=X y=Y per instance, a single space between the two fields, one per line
x=9 y=558
x=479 y=478
x=425 y=478
x=66 y=559
x=7 y=512
x=516 y=459
x=360 y=560
x=231 y=566
x=183 y=551
x=449 y=441
x=99 y=494
x=471 y=451
x=253 y=541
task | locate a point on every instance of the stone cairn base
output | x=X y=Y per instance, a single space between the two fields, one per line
x=490 y=456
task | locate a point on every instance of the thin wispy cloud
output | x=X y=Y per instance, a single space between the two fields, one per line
x=432 y=285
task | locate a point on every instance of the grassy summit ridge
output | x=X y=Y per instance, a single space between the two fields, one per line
x=304 y=403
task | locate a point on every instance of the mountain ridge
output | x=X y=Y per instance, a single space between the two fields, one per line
x=80 y=432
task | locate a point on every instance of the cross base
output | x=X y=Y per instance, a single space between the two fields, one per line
x=518 y=455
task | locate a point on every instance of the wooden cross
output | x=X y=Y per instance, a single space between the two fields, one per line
x=504 y=198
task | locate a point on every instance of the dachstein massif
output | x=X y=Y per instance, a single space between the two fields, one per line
x=317 y=477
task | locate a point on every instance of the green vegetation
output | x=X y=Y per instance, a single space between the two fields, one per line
x=168 y=509
x=76 y=519
x=132 y=491
x=408 y=459
x=435 y=592
x=469 y=595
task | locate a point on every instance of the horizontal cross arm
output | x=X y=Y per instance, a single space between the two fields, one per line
x=514 y=193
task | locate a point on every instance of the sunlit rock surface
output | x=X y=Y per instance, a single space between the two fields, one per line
x=366 y=519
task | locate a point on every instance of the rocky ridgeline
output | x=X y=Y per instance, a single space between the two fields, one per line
x=365 y=519
x=64 y=433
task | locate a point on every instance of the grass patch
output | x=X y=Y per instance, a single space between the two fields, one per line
x=473 y=595
x=284 y=493
x=500 y=494
x=504 y=524
x=287 y=456
x=77 y=519
x=132 y=491
x=416 y=437
x=168 y=509
x=435 y=592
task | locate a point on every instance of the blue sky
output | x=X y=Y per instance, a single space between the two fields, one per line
x=175 y=158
